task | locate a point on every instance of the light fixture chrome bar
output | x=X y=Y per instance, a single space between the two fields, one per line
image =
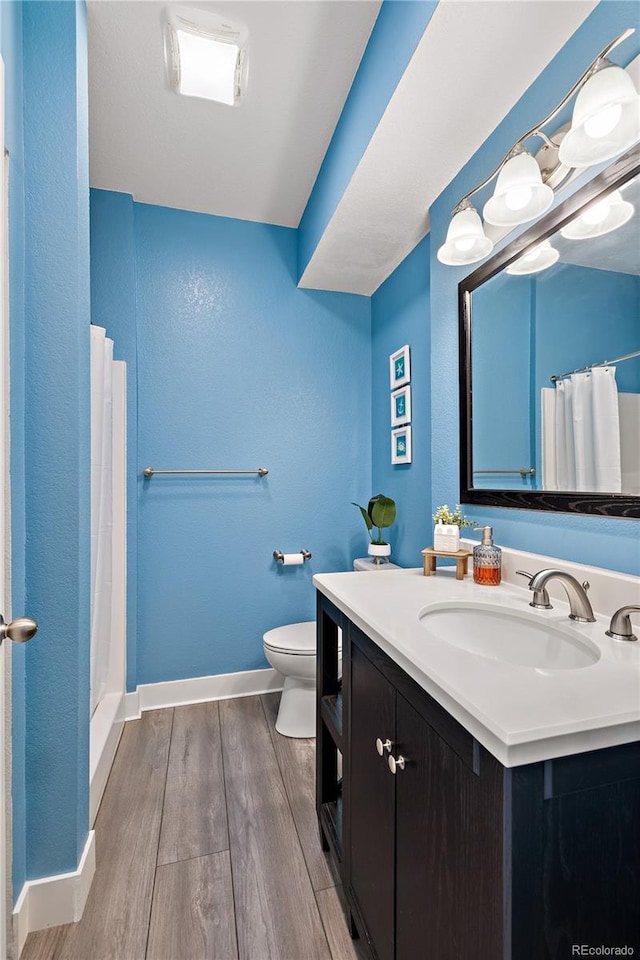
x=536 y=131
x=150 y=472
x=603 y=363
x=523 y=471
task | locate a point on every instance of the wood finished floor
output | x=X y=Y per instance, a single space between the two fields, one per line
x=208 y=847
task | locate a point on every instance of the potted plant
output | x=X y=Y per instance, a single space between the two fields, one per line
x=380 y=513
x=446 y=533
x=444 y=515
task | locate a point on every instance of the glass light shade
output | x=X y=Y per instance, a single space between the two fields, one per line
x=537 y=259
x=602 y=217
x=520 y=194
x=465 y=241
x=606 y=119
x=206 y=56
x=207 y=67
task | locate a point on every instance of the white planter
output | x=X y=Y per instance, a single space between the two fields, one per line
x=379 y=549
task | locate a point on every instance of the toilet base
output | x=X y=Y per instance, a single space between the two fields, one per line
x=297 y=713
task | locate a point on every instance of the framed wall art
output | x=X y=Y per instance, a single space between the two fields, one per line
x=401 y=445
x=400 y=367
x=401 y=406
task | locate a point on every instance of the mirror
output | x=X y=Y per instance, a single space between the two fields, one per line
x=546 y=423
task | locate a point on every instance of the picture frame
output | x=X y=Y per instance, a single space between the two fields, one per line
x=401 y=406
x=400 y=367
x=401 y=445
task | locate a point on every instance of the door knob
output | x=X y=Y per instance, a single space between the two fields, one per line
x=382 y=746
x=19 y=630
x=398 y=764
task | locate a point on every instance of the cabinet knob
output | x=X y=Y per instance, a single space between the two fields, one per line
x=394 y=764
x=382 y=746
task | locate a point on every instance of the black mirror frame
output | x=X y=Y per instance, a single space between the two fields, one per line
x=599 y=504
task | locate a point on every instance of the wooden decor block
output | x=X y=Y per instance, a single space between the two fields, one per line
x=461 y=558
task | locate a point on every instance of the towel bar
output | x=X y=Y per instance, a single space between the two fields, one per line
x=150 y=472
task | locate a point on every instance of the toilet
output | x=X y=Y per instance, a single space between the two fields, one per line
x=291 y=650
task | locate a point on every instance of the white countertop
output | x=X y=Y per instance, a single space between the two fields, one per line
x=520 y=714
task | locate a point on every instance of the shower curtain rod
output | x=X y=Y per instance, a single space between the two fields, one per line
x=603 y=363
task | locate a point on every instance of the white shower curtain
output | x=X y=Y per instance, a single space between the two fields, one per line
x=101 y=509
x=581 y=433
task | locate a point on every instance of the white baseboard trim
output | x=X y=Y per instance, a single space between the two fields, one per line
x=51 y=901
x=131 y=706
x=177 y=693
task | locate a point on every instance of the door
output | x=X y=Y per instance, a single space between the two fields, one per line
x=4 y=518
x=23 y=628
x=448 y=847
x=371 y=790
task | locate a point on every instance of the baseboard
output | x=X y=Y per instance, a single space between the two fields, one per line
x=51 y=901
x=131 y=706
x=177 y=693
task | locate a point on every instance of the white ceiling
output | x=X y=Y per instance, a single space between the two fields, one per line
x=259 y=161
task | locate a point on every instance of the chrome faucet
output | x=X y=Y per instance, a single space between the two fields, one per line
x=576 y=592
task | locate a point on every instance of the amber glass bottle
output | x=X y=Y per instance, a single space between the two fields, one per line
x=487 y=560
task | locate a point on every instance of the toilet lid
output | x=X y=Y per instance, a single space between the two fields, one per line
x=293 y=638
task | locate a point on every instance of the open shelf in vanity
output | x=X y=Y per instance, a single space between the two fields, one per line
x=329 y=727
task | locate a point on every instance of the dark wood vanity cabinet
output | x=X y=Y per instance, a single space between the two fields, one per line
x=453 y=856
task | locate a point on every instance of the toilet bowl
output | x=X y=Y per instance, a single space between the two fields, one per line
x=291 y=650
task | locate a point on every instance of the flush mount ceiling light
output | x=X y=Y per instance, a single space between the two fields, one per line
x=207 y=56
x=541 y=257
x=606 y=114
x=602 y=217
x=466 y=241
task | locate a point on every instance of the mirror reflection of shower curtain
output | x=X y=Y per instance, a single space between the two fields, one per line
x=101 y=509
x=586 y=424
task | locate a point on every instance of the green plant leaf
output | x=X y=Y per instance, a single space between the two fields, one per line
x=383 y=511
x=367 y=518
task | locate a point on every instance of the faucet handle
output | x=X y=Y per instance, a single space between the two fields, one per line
x=540 y=596
x=620 y=627
x=525 y=573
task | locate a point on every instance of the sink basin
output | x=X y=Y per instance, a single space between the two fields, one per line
x=518 y=637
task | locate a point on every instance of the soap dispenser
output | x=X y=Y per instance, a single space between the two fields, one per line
x=487 y=560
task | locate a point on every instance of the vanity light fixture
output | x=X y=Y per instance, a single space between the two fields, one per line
x=520 y=194
x=206 y=56
x=606 y=118
x=466 y=241
x=602 y=217
x=539 y=258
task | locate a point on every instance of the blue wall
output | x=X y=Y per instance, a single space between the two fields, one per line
x=503 y=437
x=400 y=314
x=584 y=316
x=607 y=542
x=53 y=345
x=236 y=369
x=394 y=38
x=545 y=324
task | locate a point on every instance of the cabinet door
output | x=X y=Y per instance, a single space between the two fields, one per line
x=449 y=850
x=371 y=803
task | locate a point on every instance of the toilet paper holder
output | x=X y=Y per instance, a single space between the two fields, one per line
x=279 y=555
